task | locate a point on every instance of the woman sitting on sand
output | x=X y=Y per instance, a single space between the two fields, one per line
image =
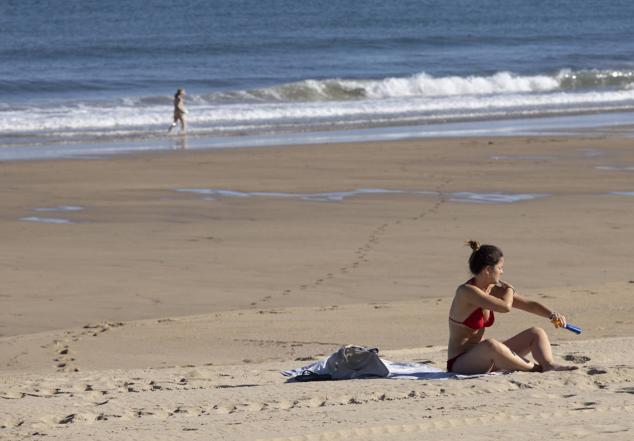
x=473 y=309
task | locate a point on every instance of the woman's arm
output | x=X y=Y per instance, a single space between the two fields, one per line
x=502 y=301
x=537 y=308
x=521 y=302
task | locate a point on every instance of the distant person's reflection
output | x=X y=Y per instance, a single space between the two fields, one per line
x=180 y=142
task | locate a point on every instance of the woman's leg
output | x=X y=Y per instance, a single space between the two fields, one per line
x=535 y=341
x=173 y=124
x=183 y=123
x=490 y=355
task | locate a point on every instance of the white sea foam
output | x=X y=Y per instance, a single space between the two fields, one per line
x=425 y=85
x=615 y=167
x=59 y=208
x=313 y=104
x=428 y=86
x=327 y=196
x=221 y=118
x=622 y=193
x=499 y=198
x=46 y=220
x=523 y=158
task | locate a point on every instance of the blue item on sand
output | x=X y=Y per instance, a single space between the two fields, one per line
x=573 y=328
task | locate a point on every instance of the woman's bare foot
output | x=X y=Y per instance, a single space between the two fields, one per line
x=537 y=368
x=559 y=367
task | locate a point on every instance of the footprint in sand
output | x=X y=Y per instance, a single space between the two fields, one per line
x=225 y=408
x=579 y=359
x=596 y=371
x=12 y=395
x=68 y=419
x=64 y=362
x=317 y=402
x=11 y=422
x=626 y=390
x=329 y=308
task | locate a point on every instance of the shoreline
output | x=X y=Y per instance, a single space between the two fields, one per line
x=619 y=124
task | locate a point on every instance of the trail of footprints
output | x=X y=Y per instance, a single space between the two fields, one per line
x=64 y=357
x=361 y=254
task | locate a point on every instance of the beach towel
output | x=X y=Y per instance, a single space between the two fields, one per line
x=351 y=362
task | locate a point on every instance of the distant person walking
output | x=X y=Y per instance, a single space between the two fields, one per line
x=179 y=110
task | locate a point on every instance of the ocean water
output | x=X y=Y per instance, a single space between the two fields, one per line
x=88 y=71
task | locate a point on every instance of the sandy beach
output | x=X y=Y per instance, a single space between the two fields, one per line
x=158 y=296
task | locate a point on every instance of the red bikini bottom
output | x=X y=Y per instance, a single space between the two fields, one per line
x=451 y=361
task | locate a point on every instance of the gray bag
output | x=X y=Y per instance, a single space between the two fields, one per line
x=352 y=361
x=348 y=362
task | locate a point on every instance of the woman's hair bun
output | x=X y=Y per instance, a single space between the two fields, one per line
x=473 y=244
x=482 y=256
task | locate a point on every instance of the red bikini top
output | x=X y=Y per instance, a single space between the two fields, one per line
x=476 y=319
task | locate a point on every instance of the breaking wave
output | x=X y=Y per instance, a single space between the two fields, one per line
x=331 y=103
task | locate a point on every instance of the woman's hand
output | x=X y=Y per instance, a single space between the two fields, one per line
x=507 y=285
x=558 y=320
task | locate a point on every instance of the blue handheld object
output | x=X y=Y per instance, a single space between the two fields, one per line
x=573 y=328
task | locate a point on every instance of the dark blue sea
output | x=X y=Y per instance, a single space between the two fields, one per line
x=88 y=71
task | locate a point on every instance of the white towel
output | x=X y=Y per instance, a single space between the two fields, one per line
x=398 y=371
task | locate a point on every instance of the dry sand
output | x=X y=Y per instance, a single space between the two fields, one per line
x=165 y=315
